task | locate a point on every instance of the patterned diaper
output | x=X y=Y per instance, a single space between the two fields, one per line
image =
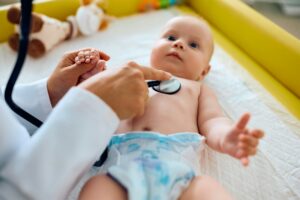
x=152 y=166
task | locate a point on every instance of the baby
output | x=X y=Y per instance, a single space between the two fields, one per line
x=158 y=156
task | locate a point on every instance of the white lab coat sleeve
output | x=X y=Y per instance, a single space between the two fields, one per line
x=62 y=150
x=33 y=98
x=12 y=134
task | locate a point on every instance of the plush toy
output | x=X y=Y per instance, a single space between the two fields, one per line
x=47 y=32
x=146 y=5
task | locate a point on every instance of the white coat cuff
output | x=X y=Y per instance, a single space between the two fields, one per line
x=42 y=91
x=34 y=99
x=95 y=105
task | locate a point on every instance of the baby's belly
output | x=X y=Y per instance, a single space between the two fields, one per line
x=164 y=117
x=162 y=125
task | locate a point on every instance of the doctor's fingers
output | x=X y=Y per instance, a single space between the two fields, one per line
x=155 y=74
x=77 y=70
x=140 y=108
x=104 y=56
x=146 y=94
x=151 y=73
x=99 y=67
x=141 y=97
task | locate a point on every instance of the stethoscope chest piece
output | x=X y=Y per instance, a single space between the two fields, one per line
x=171 y=86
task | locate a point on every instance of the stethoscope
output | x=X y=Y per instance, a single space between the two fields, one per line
x=171 y=86
x=26 y=7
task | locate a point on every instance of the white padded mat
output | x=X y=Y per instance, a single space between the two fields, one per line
x=274 y=173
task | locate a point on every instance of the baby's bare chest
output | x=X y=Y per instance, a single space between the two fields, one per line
x=168 y=113
x=184 y=101
x=183 y=104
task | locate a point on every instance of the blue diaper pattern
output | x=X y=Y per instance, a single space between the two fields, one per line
x=153 y=166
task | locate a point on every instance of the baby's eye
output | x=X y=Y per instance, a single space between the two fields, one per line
x=171 y=38
x=194 y=45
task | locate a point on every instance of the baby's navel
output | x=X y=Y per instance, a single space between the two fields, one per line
x=147 y=129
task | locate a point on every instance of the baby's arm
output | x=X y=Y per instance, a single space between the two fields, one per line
x=221 y=133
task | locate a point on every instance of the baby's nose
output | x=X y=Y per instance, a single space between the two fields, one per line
x=178 y=45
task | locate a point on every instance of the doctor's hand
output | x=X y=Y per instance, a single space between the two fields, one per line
x=125 y=89
x=69 y=73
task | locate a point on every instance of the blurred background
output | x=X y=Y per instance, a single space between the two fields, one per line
x=285 y=13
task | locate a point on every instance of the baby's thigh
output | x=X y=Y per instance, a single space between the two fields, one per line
x=205 y=187
x=102 y=187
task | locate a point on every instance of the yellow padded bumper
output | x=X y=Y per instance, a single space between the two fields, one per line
x=269 y=46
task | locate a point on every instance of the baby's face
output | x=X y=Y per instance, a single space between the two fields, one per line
x=184 y=48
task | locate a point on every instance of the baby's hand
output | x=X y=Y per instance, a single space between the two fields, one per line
x=90 y=57
x=87 y=56
x=68 y=73
x=240 y=142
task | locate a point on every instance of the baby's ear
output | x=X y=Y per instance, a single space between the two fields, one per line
x=206 y=70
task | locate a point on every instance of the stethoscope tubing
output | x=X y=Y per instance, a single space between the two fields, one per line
x=153 y=83
x=26 y=7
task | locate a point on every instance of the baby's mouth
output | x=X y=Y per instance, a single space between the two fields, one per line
x=175 y=55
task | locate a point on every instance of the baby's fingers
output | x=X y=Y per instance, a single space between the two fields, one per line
x=245 y=150
x=248 y=139
x=243 y=121
x=243 y=158
x=78 y=60
x=245 y=161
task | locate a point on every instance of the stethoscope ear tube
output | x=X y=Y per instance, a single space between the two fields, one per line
x=26 y=7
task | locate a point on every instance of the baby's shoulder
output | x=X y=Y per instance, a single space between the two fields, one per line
x=188 y=82
x=207 y=91
x=190 y=87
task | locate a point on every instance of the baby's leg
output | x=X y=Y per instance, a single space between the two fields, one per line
x=102 y=187
x=205 y=187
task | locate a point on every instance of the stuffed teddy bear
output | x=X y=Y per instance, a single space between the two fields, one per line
x=46 y=32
